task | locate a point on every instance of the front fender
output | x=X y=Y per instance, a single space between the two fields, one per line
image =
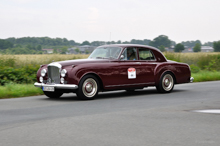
x=78 y=72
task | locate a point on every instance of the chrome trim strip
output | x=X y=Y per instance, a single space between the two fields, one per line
x=57 y=86
x=191 y=79
x=130 y=84
x=55 y=64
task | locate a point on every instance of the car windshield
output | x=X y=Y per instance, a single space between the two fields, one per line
x=105 y=52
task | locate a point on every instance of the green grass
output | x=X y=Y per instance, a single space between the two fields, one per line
x=19 y=90
x=206 y=76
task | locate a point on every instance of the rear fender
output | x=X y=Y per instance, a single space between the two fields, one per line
x=160 y=70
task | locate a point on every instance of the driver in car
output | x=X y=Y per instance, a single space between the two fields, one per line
x=130 y=55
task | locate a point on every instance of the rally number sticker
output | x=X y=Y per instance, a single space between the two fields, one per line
x=131 y=73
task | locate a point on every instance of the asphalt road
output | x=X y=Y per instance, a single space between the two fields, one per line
x=142 y=118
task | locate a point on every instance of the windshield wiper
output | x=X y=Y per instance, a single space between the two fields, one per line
x=105 y=58
x=109 y=57
x=99 y=57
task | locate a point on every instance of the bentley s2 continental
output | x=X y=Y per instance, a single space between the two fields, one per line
x=112 y=67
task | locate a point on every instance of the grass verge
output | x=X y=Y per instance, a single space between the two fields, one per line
x=22 y=90
x=206 y=76
x=19 y=90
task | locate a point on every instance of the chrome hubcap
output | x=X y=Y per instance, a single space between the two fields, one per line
x=167 y=82
x=89 y=87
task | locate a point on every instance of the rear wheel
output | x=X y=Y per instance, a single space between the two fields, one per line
x=53 y=94
x=88 y=87
x=166 y=83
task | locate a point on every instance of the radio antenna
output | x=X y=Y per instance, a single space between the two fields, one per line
x=110 y=38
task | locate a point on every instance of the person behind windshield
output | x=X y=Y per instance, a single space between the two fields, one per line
x=130 y=55
x=116 y=52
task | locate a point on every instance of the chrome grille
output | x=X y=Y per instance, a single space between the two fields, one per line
x=53 y=73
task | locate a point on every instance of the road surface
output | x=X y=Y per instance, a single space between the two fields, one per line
x=119 y=118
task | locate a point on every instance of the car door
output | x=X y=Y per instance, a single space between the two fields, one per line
x=129 y=69
x=148 y=64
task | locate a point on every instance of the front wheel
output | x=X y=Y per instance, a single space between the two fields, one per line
x=166 y=83
x=88 y=87
x=53 y=94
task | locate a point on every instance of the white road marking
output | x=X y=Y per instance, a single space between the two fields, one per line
x=212 y=111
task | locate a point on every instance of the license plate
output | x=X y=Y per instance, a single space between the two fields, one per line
x=50 y=89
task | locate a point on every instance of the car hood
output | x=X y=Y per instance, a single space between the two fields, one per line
x=171 y=61
x=81 y=61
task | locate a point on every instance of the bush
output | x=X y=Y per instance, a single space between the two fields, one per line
x=173 y=56
x=25 y=74
x=22 y=69
x=10 y=61
x=209 y=62
x=194 y=68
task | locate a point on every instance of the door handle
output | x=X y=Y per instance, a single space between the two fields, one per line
x=137 y=63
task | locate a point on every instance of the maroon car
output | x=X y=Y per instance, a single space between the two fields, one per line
x=112 y=67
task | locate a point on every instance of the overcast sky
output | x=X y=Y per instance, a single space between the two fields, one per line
x=111 y=20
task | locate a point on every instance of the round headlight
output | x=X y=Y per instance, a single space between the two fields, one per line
x=43 y=72
x=62 y=80
x=63 y=73
x=41 y=79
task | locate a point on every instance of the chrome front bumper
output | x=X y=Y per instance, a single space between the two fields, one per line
x=56 y=86
x=191 y=79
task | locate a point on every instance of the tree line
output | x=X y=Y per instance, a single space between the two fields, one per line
x=34 y=45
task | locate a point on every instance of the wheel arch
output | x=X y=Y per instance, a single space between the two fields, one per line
x=159 y=75
x=98 y=78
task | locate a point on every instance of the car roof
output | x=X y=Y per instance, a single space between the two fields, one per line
x=158 y=54
x=129 y=45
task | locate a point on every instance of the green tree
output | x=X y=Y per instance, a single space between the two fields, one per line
x=197 y=47
x=77 y=50
x=208 y=44
x=161 y=40
x=39 y=48
x=142 y=42
x=216 y=46
x=63 y=50
x=191 y=44
x=85 y=43
x=119 y=42
x=5 y=44
x=161 y=48
x=146 y=42
x=97 y=43
x=112 y=42
x=173 y=43
x=72 y=42
x=179 y=47
x=87 y=52
x=55 y=51
x=18 y=51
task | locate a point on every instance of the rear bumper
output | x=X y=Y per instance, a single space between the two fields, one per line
x=191 y=79
x=57 y=86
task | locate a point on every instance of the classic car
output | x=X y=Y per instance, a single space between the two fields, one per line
x=112 y=67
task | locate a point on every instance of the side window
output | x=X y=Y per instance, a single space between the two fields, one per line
x=130 y=54
x=145 y=54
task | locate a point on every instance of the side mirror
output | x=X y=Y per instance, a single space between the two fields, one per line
x=122 y=57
